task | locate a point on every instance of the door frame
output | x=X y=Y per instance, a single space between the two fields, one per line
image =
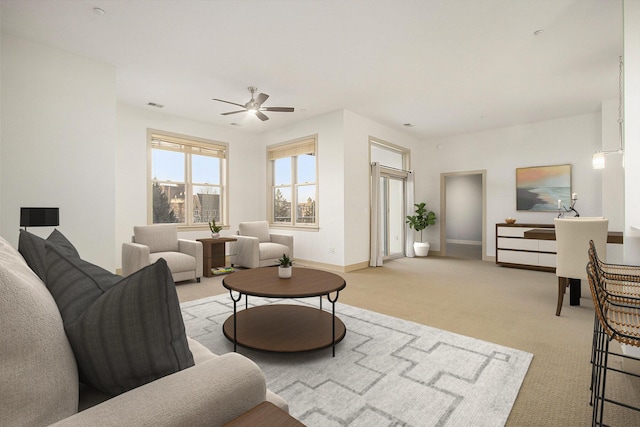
x=443 y=209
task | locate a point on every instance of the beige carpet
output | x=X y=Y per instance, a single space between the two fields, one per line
x=510 y=307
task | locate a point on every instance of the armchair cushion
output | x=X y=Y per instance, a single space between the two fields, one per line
x=124 y=332
x=259 y=229
x=158 y=237
x=272 y=250
x=177 y=261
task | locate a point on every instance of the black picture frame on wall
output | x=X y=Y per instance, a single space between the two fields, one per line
x=542 y=188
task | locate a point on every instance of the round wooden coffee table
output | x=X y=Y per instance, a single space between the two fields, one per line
x=284 y=328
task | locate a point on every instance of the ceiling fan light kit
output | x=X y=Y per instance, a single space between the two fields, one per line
x=255 y=105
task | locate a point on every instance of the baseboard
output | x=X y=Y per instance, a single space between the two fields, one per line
x=465 y=242
x=331 y=267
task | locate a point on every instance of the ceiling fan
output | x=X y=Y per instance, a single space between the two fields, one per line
x=255 y=105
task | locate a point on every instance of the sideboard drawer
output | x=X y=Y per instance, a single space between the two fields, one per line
x=547 y=246
x=518 y=257
x=512 y=231
x=522 y=244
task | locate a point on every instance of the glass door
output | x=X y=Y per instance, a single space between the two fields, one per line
x=392 y=216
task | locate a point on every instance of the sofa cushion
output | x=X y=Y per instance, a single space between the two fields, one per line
x=38 y=372
x=125 y=332
x=259 y=229
x=32 y=249
x=158 y=237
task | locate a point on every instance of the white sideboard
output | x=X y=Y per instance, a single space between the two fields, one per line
x=533 y=246
x=514 y=250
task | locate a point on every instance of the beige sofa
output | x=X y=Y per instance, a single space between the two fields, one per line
x=39 y=380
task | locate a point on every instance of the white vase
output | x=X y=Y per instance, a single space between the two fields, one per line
x=215 y=235
x=284 y=272
x=421 y=248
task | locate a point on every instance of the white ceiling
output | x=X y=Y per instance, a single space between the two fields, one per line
x=440 y=65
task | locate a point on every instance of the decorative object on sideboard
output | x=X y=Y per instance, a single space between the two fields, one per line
x=215 y=229
x=510 y=220
x=284 y=267
x=421 y=220
x=598 y=157
x=39 y=217
x=574 y=199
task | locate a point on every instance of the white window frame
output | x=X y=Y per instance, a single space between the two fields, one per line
x=188 y=145
x=292 y=149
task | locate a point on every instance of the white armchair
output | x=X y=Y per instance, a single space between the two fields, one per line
x=256 y=247
x=152 y=242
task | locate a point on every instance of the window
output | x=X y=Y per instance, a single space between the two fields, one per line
x=293 y=181
x=187 y=180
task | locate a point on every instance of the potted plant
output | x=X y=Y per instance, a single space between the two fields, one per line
x=284 y=267
x=215 y=229
x=421 y=220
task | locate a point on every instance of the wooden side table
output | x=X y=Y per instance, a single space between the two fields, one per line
x=213 y=253
x=265 y=414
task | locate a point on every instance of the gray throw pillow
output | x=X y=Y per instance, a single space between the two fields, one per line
x=31 y=247
x=125 y=332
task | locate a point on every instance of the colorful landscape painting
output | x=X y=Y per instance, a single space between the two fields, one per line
x=539 y=188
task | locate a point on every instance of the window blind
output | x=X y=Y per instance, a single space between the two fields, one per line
x=298 y=148
x=172 y=143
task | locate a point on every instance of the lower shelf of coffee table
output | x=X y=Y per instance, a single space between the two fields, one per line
x=284 y=328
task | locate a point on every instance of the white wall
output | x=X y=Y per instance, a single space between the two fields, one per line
x=357 y=173
x=314 y=245
x=464 y=209
x=613 y=173
x=632 y=130
x=343 y=154
x=131 y=178
x=500 y=151
x=58 y=144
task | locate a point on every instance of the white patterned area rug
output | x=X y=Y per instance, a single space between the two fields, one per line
x=387 y=371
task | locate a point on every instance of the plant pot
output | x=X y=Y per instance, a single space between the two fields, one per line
x=421 y=248
x=284 y=272
x=215 y=235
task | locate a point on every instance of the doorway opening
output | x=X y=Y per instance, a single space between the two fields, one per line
x=462 y=216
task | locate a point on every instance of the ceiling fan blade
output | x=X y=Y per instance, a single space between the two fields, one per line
x=228 y=102
x=261 y=116
x=232 y=112
x=261 y=98
x=279 y=109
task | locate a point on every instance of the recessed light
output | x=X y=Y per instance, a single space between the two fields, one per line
x=407 y=125
x=538 y=32
x=235 y=124
x=483 y=117
x=154 y=104
x=99 y=11
x=440 y=147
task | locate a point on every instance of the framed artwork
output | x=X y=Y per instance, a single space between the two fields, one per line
x=539 y=188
